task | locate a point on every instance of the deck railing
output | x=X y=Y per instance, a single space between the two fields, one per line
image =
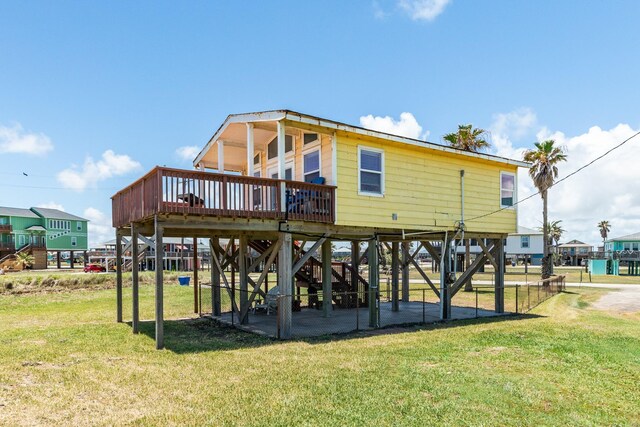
x=175 y=191
x=6 y=228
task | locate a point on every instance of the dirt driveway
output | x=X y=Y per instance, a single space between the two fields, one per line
x=625 y=299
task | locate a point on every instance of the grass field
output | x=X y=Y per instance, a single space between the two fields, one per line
x=64 y=361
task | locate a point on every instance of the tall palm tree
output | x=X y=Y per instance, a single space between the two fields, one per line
x=604 y=227
x=544 y=170
x=472 y=139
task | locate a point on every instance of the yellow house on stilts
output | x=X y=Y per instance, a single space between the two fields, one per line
x=280 y=186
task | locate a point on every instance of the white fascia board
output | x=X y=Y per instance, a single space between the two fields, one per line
x=265 y=116
x=296 y=117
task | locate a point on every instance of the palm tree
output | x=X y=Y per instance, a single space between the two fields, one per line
x=25 y=259
x=544 y=170
x=555 y=232
x=604 y=227
x=468 y=139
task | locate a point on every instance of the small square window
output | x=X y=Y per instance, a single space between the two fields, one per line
x=310 y=137
x=524 y=241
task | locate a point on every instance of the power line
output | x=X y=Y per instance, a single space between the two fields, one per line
x=562 y=179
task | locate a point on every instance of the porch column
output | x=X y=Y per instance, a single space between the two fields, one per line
x=118 y=262
x=134 y=279
x=281 y=150
x=355 y=258
x=374 y=280
x=250 y=150
x=71 y=260
x=60 y=266
x=159 y=287
x=499 y=276
x=285 y=282
x=215 y=281
x=445 y=299
x=327 y=302
x=196 y=285
x=244 y=282
x=220 y=156
x=395 y=276
x=406 y=247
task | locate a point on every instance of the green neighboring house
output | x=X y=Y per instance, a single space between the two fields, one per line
x=51 y=229
x=625 y=249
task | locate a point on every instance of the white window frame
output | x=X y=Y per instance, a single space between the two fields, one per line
x=74 y=241
x=288 y=164
x=515 y=190
x=382 y=174
x=308 y=150
x=522 y=242
x=78 y=226
x=287 y=155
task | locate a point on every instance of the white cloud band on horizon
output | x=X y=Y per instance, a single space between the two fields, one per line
x=92 y=172
x=17 y=141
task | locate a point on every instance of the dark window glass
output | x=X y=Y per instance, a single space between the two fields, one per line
x=310 y=137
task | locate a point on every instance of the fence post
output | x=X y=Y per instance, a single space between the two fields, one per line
x=423 y=307
x=517 y=298
x=357 y=311
x=528 y=296
x=476 y=289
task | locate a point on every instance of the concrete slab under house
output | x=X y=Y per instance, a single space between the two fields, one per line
x=271 y=191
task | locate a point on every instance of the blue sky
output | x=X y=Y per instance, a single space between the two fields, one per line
x=138 y=80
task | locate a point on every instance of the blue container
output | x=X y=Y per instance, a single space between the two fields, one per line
x=184 y=280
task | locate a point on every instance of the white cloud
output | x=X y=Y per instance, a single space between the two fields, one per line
x=407 y=126
x=188 y=152
x=100 y=229
x=507 y=127
x=16 y=140
x=51 y=205
x=606 y=190
x=426 y=10
x=92 y=172
x=378 y=12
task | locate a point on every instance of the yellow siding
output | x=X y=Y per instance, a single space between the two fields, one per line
x=423 y=188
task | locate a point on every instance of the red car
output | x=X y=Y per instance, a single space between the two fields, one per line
x=94 y=268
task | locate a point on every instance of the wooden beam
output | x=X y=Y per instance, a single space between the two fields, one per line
x=224 y=279
x=298 y=265
x=499 y=277
x=395 y=276
x=488 y=254
x=425 y=277
x=468 y=273
x=159 y=249
x=405 y=271
x=285 y=286
x=135 y=312
x=244 y=283
x=118 y=266
x=445 y=298
x=196 y=285
x=263 y=275
x=432 y=251
x=215 y=281
x=374 y=283
x=327 y=292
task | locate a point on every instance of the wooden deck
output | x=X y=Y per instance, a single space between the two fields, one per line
x=174 y=191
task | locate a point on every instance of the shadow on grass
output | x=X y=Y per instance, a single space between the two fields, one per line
x=205 y=334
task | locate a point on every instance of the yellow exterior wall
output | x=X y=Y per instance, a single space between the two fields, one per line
x=422 y=187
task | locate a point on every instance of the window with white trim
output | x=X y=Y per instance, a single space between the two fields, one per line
x=79 y=226
x=311 y=165
x=524 y=241
x=507 y=189
x=310 y=138
x=370 y=171
x=272 y=147
x=74 y=241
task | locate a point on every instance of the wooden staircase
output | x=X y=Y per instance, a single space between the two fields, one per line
x=310 y=274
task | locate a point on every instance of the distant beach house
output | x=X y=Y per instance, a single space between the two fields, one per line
x=526 y=244
x=38 y=231
x=618 y=251
x=574 y=252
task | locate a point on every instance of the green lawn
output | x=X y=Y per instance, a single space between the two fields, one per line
x=64 y=361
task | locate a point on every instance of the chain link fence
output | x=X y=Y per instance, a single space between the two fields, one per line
x=365 y=310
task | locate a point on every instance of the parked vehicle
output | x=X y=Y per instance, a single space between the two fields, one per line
x=94 y=268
